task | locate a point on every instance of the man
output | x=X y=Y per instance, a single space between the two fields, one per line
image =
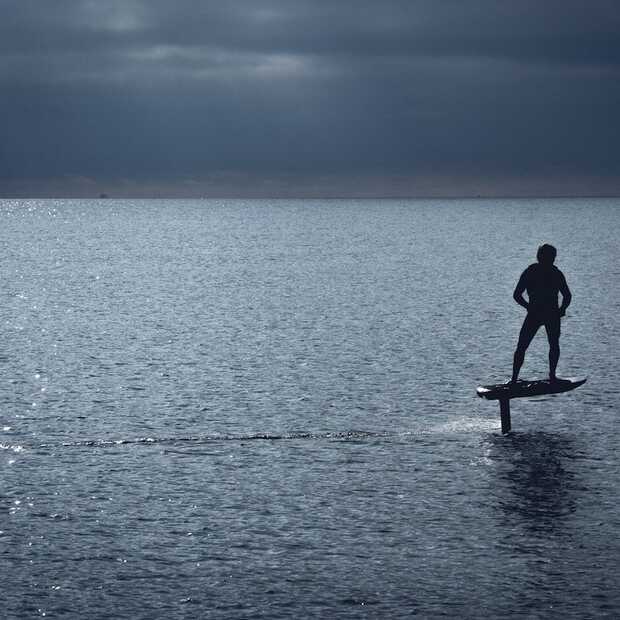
x=542 y=281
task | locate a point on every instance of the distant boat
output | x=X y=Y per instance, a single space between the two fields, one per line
x=103 y=196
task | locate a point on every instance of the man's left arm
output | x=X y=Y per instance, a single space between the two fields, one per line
x=566 y=295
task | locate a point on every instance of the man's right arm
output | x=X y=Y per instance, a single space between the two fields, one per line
x=519 y=290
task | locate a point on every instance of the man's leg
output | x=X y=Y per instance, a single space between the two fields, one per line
x=553 y=336
x=528 y=331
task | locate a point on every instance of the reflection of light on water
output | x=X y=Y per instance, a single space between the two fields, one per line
x=12 y=448
x=484 y=460
x=18 y=504
x=467 y=425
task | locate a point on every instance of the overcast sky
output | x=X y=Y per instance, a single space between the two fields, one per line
x=309 y=97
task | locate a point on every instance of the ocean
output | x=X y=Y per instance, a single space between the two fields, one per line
x=267 y=409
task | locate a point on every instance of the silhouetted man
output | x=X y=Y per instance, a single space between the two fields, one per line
x=542 y=281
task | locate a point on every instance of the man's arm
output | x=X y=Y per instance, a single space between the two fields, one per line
x=518 y=294
x=566 y=295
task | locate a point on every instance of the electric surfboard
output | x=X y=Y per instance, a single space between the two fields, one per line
x=521 y=389
x=528 y=388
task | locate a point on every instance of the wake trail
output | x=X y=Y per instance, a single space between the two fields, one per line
x=352 y=435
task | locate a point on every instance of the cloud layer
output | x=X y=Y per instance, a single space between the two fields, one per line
x=186 y=93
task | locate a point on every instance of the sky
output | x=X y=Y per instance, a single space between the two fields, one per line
x=318 y=98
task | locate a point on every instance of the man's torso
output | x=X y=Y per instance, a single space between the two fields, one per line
x=543 y=285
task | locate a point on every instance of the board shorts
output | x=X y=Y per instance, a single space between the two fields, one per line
x=534 y=321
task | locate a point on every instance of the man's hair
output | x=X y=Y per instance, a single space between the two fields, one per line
x=546 y=253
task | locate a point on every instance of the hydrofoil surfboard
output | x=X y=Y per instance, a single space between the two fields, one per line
x=520 y=389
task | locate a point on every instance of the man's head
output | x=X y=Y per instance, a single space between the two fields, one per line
x=546 y=254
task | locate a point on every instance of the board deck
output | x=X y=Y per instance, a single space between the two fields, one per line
x=520 y=389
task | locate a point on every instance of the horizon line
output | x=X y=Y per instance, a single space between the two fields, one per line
x=315 y=197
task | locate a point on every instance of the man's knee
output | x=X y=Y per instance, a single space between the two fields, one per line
x=523 y=343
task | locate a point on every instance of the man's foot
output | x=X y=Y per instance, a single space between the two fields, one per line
x=555 y=379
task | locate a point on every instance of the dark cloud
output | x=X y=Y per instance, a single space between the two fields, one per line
x=300 y=89
x=554 y=30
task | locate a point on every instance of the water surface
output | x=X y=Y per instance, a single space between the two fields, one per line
x=234 y=409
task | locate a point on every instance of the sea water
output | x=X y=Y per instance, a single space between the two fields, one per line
x=239 y=409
